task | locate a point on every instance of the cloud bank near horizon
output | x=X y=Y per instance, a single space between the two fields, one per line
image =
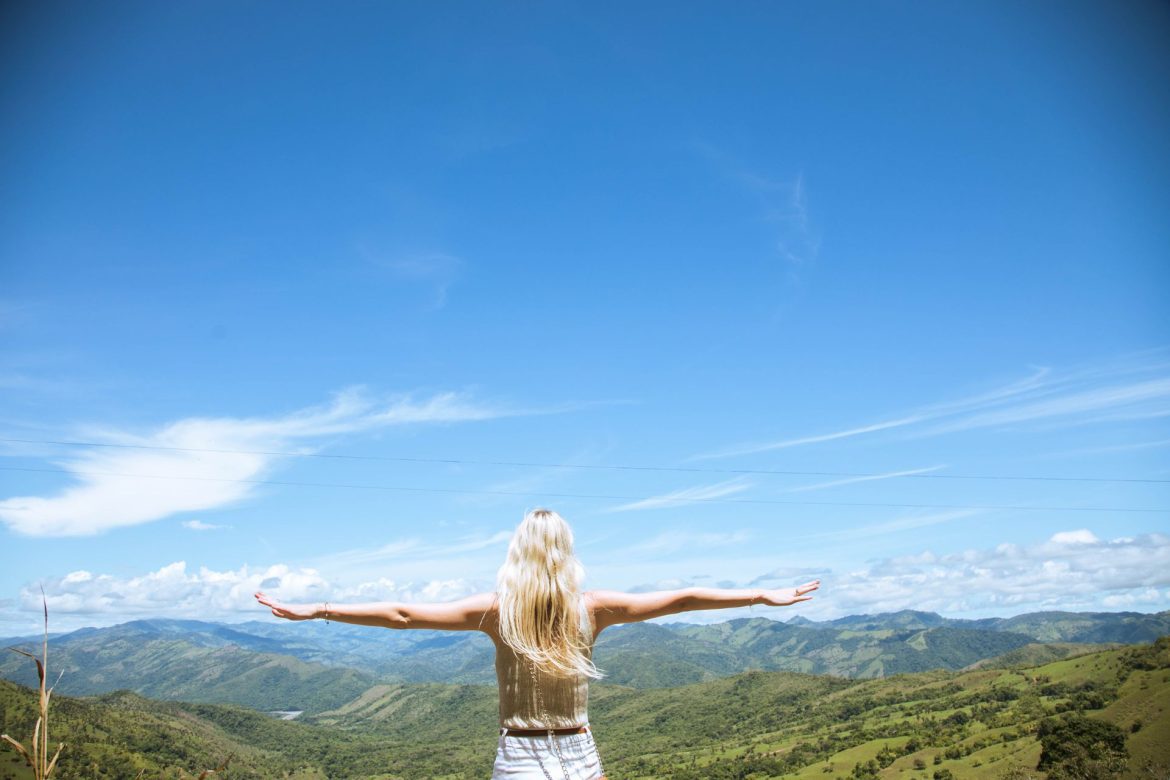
x=1070 y=571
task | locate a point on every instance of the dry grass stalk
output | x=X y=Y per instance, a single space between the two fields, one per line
x=37 y=754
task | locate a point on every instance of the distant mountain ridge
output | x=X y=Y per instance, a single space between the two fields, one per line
x=1049 y=626
x=318 y=666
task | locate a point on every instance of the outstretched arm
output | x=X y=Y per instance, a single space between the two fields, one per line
x=465 y=614
x=614 y=607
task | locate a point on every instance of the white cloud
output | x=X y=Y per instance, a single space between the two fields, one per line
x=782 y=203
x=1070 y=407
x=1141 y=445
x=199 y=464
x=1072 y=570
x=673 y=541
x=206 y=594
x=437 y=270
x=199 y=525
x=890 y=526
x=1082 y=536
x=867 y=478
x=751 y=449
x=686 y=496
x=413 y=550
x=1075 y=397
x=673 y=583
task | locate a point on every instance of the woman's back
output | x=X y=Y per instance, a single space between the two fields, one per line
x=532 y=698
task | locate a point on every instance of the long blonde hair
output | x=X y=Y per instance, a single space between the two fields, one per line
x=541 y=604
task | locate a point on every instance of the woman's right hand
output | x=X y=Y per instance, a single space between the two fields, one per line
x=787 y=596
x=288 y=611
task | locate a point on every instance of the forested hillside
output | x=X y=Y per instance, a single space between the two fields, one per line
x=1101 y=715
x=317 y=667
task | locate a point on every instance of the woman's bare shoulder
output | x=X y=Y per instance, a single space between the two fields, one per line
x=605 y=599
x=488 y=605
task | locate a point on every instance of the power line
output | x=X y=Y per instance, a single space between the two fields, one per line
x=588 y=466
x=599 y=496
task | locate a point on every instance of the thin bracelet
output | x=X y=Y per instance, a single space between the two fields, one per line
x=326 y=611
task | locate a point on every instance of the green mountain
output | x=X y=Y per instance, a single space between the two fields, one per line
x=987 y=723
x=316 y=666
x=1084 y=627
x=1038 y=653
x=192 y=668
x=1124 y=627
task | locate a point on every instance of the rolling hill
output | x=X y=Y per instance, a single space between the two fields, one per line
x=316 y=667
x=980 y=724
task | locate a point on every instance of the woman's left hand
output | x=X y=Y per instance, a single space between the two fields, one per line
x=288 y=611
x=788 y=596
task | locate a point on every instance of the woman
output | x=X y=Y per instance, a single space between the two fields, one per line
x=543 y=628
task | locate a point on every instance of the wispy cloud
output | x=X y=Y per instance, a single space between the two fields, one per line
x=905 y=523
x=673 y=541
x=789 y=575
x=686 y=496
x=750 y=449
x=1074 y=397
x=867 y=478
x=672 y=583
x=437 y=271
x=121 y=486
x=533 y=481
x=1140 y=445
x=412 y=549
x=1068 y=406
x=783 y=203
x=796 y=241
x=199 y=525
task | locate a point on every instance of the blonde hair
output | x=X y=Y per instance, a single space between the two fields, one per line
x=541 y=604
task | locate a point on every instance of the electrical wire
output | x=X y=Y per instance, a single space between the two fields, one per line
x=587 y=466
x=598 y=496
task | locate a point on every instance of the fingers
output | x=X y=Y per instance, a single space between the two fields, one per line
x=266 y=600
x=273 y=604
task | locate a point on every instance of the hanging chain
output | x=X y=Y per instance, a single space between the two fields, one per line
x=597 y=752
x=544 y=714
x=555 y=746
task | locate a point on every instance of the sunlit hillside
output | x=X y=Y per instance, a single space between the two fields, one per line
x=986 y=723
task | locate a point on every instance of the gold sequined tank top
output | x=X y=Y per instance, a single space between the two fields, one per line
x=566 y=699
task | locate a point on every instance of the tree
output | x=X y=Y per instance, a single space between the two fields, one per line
x=1080 y=748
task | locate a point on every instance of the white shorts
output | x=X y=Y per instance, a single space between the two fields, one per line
x=520 y=758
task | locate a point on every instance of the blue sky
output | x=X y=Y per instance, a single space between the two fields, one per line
x=494 y=250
